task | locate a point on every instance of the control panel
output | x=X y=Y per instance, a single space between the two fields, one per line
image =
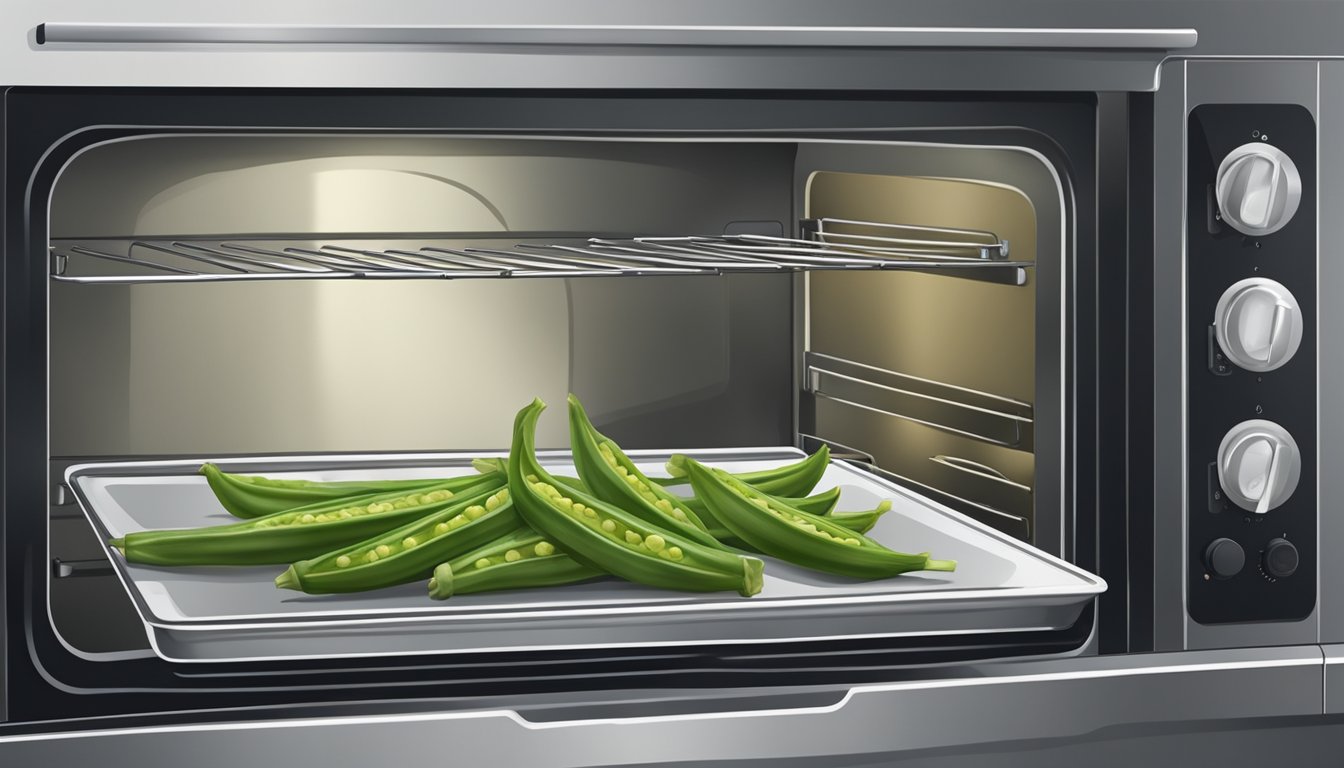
x=1251 y=377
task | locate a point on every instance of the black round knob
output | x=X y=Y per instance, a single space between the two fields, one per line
x=1280 y=559
x=1224 y=558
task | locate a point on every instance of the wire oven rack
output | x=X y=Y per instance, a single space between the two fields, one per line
x=827 y=244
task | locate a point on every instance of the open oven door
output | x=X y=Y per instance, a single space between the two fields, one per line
x=1227 y=704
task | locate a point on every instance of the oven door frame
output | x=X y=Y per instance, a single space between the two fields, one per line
x=47 y=681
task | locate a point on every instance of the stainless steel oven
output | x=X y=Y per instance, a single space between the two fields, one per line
x=1054 y=286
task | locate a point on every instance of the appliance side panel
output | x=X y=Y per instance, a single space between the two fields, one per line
x=1330 y=356
x=1168 y=356
x=1248 y=83
x=4 y=377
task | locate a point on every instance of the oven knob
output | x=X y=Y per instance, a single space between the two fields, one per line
x=1258 y=324
x=1224 y=558
x=1258 y=465
x=1258 y=188
x=1280 y=559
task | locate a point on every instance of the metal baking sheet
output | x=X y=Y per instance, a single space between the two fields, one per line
x=230 y=613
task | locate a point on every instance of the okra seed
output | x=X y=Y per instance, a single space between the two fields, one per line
x=475 y=511
x=307 y=518
x=441 y=529
x=852 y=542
x=654 y=542
x=409 y=542
x=531 y=478
x=512 y=556
x=400 y=504
x=483 y=562
x=590 y=513
x=345 y=514
x=544 y=548
x=609 y=526
x=458 y=521
x=633 y=538
x=372 y=557
x=622 y=471
x=664 y=505
x=674 y=553
x=383 y=550
x=565 y=504
x=578 y=508
x=491 y=503
x=415 y=499
x=343 y=561
x=677 y=513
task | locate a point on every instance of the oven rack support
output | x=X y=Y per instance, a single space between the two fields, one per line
x=982 y=416
x=826 y=244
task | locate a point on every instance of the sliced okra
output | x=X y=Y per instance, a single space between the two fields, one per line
x=612 y=477
x=252 y=496
x=407 y=553
x=607 y=538
x=520 y=559
x=297 y=534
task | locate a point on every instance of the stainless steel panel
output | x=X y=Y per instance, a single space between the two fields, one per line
x=150 y=36
x=1334 y=678
x=1224 y=27
x=611 y=65
x=212 y=614
x=1187 y=85
x=1009 y=707
x=1330 y=355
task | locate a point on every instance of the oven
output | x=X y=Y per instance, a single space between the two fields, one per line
x=1050 y=291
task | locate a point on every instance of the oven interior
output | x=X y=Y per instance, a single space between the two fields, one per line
x=292 y=294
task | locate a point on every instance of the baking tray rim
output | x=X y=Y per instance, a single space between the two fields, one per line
x=1088 y=587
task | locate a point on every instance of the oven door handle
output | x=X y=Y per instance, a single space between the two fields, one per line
x=507 y=35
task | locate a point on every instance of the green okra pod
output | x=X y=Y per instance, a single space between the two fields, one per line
x=811 y=541
x=251 y=496
x=612 y=477
x=605 y=537
x=296 y=534
x=518 y=560
x=407 y=553
x=822 y=504
x=791 y=480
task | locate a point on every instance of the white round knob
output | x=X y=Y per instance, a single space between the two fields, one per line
x=1258 y=324
x=1258 y=465
x=1258 y=188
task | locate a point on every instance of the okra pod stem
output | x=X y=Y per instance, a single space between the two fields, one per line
x=861 y=521
x=518 y=560
x=297 y=534
x=407 y=553
x=605 y=537
x=812 y=541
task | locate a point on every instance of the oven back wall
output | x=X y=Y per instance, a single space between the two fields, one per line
x=322 y=366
